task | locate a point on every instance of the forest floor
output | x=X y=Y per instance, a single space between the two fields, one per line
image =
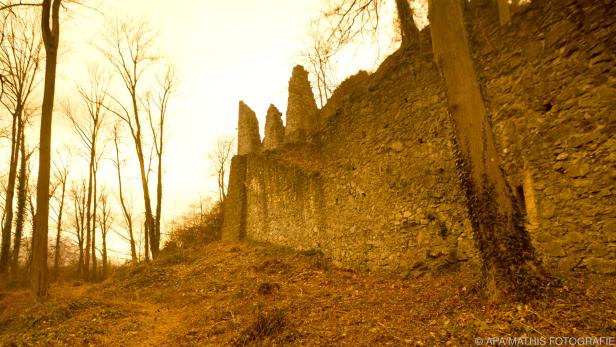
x=244 y=294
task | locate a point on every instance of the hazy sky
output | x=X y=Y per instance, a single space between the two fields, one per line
x=225 y=51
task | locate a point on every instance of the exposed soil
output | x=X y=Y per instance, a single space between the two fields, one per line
x=244 y=294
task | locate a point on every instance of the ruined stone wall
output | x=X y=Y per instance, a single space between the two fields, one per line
x=376 y=188
x=301 y=107
x=248 y=138
x=234 y=225
x=284 y=201
x=391 y=177
x=274 y=129
x=551 y=94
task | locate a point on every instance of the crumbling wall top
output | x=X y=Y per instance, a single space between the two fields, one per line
x=301 y=107
x=274 y=129
x=248 y=137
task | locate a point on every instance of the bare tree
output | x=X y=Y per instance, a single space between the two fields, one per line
x=131 y=53
x=78 y=195
x=61 y=177
x=20 y=58
x=88 y=129
x=22 y=196
x=341 y=25
x=220 y=159
x=94 y=217
x=408 y=28
x=105 y=220
x=349 y=19
x=156 y=108
x=319 y=60
x=127 y=212
x=50 y=27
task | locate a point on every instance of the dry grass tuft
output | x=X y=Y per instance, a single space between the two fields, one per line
x=266 y=325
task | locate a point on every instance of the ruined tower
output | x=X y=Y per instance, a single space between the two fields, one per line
x=274 y=130
x=248 y=138
x=301 y=107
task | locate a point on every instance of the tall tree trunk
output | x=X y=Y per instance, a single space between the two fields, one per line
x=94 y=213
x=80 y=234
x=56 y=261
x=133 y=247
x=104 y=255
x=51 y=34
x=149 y=218
x=408 y=29
x=22 y=192
x=10 y=191
x=159 y=194
x=508 y=258
x=127 y=214
x=88 y=218
x=147 y=245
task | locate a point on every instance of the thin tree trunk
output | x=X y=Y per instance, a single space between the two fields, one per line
x=79 y=233
x=104 y=255
x=159 y=191
x=88 y=217
x=10 y=191
x=94 y=213
x=408 y=29
x=149 y=218
x=147 y=245
x=508 y=258
x=29 y=248
x=104 y=222
x=133 y=247
x=22 y=191
x=51 y=34
x=56 y=262
x=127 y=215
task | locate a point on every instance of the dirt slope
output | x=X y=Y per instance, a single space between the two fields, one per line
x=241 y=294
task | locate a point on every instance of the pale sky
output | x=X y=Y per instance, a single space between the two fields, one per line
x=225 y=51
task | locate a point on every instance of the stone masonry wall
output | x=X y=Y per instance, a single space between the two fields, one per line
x=551 y=93
x=274 y=129
x=286 y=196
x=376 y=187
x=301 y=107
x=248 y=139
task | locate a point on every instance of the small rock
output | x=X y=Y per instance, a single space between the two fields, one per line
x=577 y=169
x=562 y=156
x=582 y=182
x=557 y=166
x=573 y=237
x=397 y=146
x=548 y=209
x=566 y=195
